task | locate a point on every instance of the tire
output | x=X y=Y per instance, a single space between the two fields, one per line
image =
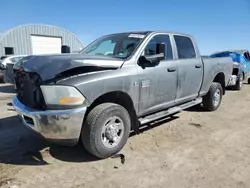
x=94 y=130
x=248 y=80
x=239 y=83
x=209 y=100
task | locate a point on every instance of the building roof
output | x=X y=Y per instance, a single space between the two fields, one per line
x=20 y=38
x=2 y=35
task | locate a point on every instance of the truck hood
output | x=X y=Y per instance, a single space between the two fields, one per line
x=50 y=66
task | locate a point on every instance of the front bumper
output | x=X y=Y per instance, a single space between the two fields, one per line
x=232 y=81
x=60 y=126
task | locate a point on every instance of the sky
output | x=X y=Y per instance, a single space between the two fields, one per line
x=215 y=24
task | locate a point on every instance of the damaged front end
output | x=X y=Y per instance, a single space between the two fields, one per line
x=50 y=109
x=28 y=90
x=35 y=71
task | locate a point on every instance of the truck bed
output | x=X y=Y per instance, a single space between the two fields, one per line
x=213 y=66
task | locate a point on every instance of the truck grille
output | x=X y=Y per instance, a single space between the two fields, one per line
x=28 y=90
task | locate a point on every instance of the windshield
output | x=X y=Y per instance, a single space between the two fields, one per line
x=117 y=45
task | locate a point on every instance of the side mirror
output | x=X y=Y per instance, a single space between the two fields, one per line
x=160 y=49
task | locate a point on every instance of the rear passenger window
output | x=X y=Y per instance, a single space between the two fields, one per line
x=151 y=47
x=185 y=47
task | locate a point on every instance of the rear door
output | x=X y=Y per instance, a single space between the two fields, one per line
x=190 y=69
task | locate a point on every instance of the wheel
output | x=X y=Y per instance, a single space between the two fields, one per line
x=212 y=100
x=106 y=130
x=239 y=82
x=248 y=80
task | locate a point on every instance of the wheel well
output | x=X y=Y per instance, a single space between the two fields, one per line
x=122 y=99
x=220 y=78
x=235 y=71
x=243 y=75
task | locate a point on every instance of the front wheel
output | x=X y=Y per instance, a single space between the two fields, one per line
x=212 y=100
x=106 y=130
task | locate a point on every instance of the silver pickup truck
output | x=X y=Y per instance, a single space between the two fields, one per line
x=114 y=85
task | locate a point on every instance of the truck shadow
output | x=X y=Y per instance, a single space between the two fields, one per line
x=231 y=89
x=20 y=146
x=154 y=124
x=197 y=108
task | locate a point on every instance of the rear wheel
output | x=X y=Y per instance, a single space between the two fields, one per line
x=239 y=82
x=106 y=130
x=212 y=100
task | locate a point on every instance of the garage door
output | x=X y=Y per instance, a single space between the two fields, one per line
x=46 y=45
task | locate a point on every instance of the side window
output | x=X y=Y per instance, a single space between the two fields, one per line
x=151 y=47
x=185 y=47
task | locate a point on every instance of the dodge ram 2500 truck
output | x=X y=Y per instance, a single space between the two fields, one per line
x=114 y=85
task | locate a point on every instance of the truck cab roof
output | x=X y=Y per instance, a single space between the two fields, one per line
x=155 y=31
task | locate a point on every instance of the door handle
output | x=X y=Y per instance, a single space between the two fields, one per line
x=171 y=69
x=197 y=66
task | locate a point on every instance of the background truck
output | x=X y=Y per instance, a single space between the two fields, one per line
x=114 y=85
x=8 y=64
x=241 y=67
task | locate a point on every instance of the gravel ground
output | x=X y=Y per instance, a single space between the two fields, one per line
x=192 y=149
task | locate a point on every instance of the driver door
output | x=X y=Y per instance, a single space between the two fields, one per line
x=158 y=83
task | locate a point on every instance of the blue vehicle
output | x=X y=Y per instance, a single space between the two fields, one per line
x=241 y=66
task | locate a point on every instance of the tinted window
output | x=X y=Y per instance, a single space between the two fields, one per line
x=185 y=47
x=151 y=47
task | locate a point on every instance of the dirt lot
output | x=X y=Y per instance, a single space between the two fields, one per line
x=193 y=149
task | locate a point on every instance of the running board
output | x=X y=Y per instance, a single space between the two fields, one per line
x=170 y=111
